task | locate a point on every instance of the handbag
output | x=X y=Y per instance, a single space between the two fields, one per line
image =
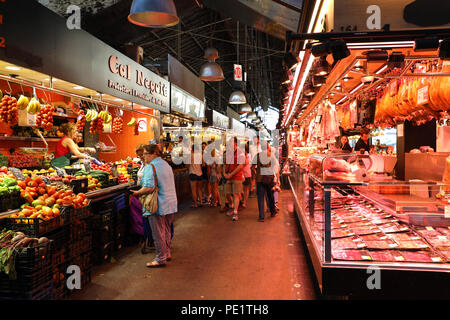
x=150 y=200
x=266 y=179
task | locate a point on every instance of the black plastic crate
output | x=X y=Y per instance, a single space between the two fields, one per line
x=79 y=185
x=30 y=259
x=59 y=257
x=119 y=244
x=26 y=282
x=102 y=220
x=78 y=229
x=82 y=213
x=60 y=237
x=119 y=231
x=83 y=261
x=103 y=253
x=45 y=292
x=36 y=227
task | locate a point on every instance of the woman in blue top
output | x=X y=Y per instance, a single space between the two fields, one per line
x=160 y=222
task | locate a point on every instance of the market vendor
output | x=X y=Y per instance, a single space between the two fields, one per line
x=345 y=146
x=363 y=141
x=66 y=147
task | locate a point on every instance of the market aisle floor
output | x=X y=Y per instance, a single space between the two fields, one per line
x=215 y=258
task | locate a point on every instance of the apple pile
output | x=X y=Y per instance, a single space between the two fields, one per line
x=9 y=113
x=104 y=167
x=45 y=117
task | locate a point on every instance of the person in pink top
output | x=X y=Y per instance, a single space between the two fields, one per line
x=247 y=171
x=234 y=175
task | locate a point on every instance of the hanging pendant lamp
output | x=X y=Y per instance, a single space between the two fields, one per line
x=237 y=97
x=211 y=71
x=153 y=13
x=245 y=108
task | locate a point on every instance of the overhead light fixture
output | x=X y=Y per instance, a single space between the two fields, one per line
x=376 y=55
x=12 y=68
x=321 y=67
x=396 y=60
x=244 y=108
x=338 y=87
x=290 y=60
x=347 y=78
x=309 y=90
x=153 y=13
x=424 y=44
x=318 y=81
x=339 y=50
x=444 y=49
x=358 y=67
x=237 y=97
x=78 y=88
x=211 y=71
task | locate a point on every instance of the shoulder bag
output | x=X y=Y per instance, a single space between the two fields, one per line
x=150 y=200
x=266 y=179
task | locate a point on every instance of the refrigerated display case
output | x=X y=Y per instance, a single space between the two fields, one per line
x=356 y=223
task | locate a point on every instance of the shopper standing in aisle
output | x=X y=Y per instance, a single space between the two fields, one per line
x=213 y=174
x=265 y=180
x=254 y=150
x=195 y=178
x=139 y=223
x=247 y=171
x=159 y=174
x=205 y=186
x=234 y=175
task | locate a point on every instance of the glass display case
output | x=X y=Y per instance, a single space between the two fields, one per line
x=354 y=219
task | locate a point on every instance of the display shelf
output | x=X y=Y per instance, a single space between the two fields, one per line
x=28 y=139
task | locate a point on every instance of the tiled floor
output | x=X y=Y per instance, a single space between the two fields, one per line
x=215 y=258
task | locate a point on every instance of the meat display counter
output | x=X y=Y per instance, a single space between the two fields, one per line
x=370 y=238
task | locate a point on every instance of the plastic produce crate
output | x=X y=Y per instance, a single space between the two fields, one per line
x=82 y=213
x=30 y=259
x=44 y=292
x=60 y=237
x=79 y=185
x=36 y=227
x=102 y=254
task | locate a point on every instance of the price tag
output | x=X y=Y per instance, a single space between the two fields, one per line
x=399 y=258
x=392 y=245
x=400 y=130
x=361 y=245
x=429 y=228
x=447 y=212
x=422 y=96
x=366 y=257
x=436 y=259
x=17 y=173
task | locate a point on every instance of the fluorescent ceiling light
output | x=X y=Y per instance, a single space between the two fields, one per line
x=12 y=68
x=78 y=88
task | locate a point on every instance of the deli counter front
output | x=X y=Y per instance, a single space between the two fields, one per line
x=369 y=235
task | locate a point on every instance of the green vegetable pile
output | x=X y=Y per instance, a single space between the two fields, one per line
x=101 y=176
x=8 y=186
x=3 y=160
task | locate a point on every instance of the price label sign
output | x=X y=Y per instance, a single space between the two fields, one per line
x=238 y=72
x=447 y=211
x=422 y=96
x=17 y=173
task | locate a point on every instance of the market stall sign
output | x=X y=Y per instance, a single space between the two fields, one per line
x=372 y=15
x=219 y=120
x=142 y=124
x=186 y=104
x=237 y=72
x=237 y=127
x=76 y=56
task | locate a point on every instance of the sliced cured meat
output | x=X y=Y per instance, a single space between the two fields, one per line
x=392 y=227
x=374 y=237
x=381 y=255
x=407 y=236
x=360 y=224
x=347 y=243
x=428 y=232
x=365 y=230
x=383 y=221
x=446 y=254
x=341 y=233
x=444 y=231
x=413 y=245
x=419 y=256
x=439 y=242
x=352 y=255
x=353 y=219
x=381 y=245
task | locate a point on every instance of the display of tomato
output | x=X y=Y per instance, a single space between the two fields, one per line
x=81 y=120
x=9 y=113
x=44 y=118
x=117 y=125
x=96 y=126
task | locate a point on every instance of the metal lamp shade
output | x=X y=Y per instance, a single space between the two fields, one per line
x=245 y=108
x=252 y=115
x=211 y=54
x=153 y=13
x=237 y=97
x=211 y=71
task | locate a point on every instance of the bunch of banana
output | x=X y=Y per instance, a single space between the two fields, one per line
x=22 y=103
x=106 y=116
x=33 y=106
x=132 y=123
x=91 y=115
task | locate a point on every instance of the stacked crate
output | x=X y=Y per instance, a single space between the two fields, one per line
x=102 y=229
x=120 y=221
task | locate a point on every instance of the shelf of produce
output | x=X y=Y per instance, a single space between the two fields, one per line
x=28 y=139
